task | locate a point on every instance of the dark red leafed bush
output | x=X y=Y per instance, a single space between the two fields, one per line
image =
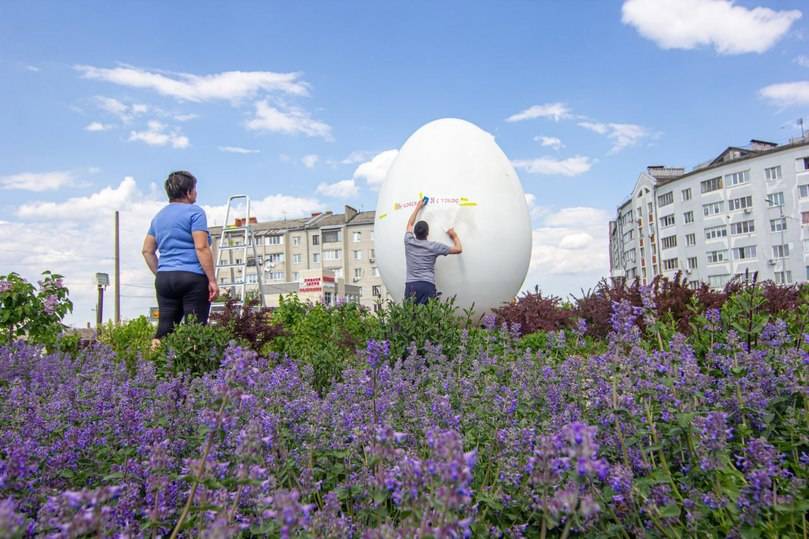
x=248 y=322
x=535 y=312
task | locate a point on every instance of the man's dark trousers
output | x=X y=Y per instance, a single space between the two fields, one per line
x=420 y=291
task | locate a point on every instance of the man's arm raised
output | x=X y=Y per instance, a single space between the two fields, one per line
x=413 y=216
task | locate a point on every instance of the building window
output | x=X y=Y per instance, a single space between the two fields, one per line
x=376 y=271
x=358 y=255
x=716 y=232
x=670 y=264
x=338 y=273
x=714 y=208
x=692 y=263
x=668 y=242
x=356 y=237
x=274 y=240
x=251 y=278
x=376 y=290
x=737 y=178
x=315 y=239
x=775 y=199
x=714 y=184
x=690 y=239
x=778 y=225
x=629 y=256
x=743 y=227
x=740 y=203
x=688 y=217
x=331 y=236
x=805 y=217
x=801 y=164
x=772 y=173
x=296 y=276
x=358 y=273
x=326 y=296
x=803 y=191
x=296 y=241
x=316 y=258
x=780 y=251
x=717 y=281
x=714 y=257
x=332 y=254
x=743 y=253
x=296 y=258
x=686 y=194
x=665 y=199
x=276 y=275
x=667 y=220
x=372 y=254
x=628 y=235
x=783 y=277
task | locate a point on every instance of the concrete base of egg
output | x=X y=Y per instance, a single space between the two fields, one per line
x=473 y=188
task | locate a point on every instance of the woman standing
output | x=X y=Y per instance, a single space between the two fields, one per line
x=184 y=273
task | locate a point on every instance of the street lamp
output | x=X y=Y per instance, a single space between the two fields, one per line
x=102 y=281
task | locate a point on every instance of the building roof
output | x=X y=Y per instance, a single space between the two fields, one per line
x=735 y=154
x=327 y=219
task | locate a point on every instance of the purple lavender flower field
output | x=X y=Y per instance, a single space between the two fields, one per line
x=647 y=433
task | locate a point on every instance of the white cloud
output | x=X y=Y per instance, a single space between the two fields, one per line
x=551 y=142
x=38 y=181
x=572 y=166
x=97 y=126
x=309 y=161
x=570 y=251
x=237 y=149
x=729 y=28
x=622 y=135
x=184 y=117
x=802 y=60
x=375 y=170
x=270 y=208
x=157 y=135
x=124 y=112
x=555 y=111
x=356 y=156
x=75 y=238
x=33 y=68
x=291 y=121
x=787 y=93
x=342 y=189
x=228 y=85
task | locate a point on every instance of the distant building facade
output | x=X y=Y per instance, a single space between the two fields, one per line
x=337 y=250
x=744 y=213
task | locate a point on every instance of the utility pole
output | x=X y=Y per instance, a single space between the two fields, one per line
x=117 y=272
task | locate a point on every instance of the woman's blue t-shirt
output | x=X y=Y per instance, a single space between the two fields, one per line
x=172 y=228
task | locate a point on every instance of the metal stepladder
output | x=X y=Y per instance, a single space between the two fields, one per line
x=235 y=241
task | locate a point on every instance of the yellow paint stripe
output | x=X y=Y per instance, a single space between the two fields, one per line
x=383 y=216
x=468 y=204
x=464 y=199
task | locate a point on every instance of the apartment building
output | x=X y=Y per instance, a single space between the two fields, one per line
x=341 y=245
x=745 y=212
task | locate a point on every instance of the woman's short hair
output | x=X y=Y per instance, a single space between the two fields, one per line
x=179 y=184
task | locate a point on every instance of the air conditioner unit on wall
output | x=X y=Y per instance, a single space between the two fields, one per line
x=772 y=262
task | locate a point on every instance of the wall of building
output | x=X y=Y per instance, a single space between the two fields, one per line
x=716 y=223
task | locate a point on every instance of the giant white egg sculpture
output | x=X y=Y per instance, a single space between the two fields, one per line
x=473 y=188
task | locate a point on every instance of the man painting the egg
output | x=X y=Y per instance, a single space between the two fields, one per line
x=421 y=253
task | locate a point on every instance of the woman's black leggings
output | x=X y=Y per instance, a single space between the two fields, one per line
x=180 y=293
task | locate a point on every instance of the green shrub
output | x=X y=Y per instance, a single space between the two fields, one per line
x=130 y=341
x=193 y=348
x=35 y=315
x=324 y=337
x=436 y=322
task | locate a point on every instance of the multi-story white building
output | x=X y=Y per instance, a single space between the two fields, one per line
x=744 y=213
x=342 y=245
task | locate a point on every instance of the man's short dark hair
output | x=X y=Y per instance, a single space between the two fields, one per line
x=179 y=184
x=421 y=230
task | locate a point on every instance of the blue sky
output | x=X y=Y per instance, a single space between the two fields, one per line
x=303 y=105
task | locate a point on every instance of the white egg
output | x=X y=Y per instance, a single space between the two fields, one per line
x=473 y=188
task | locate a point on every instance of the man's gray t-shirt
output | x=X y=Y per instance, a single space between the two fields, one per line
x=420 y=256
